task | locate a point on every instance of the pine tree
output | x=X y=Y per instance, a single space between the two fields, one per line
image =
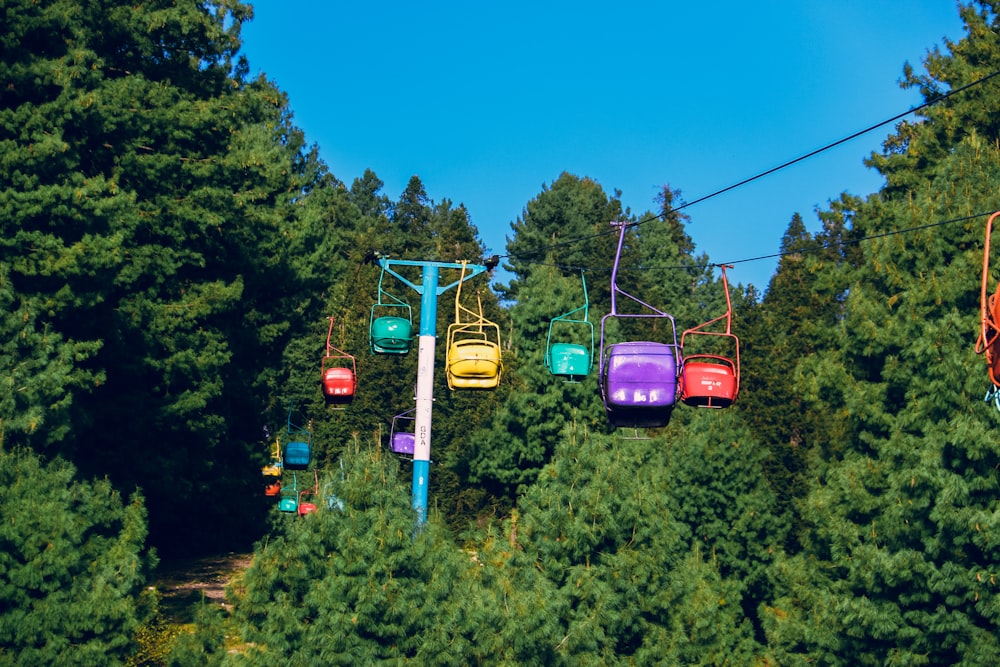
x=159 y=220
x=900 y=524
x=351 y=585
x=910 y=154
x=72 y=565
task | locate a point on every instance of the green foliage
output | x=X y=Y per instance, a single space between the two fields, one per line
x=156 y=234
x=347 y=586
x=171 y=249
x=895 y=523
x=909 y=155
x=205 y=645
x=72 y=565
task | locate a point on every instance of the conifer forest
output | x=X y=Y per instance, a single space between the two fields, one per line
x=184 y=283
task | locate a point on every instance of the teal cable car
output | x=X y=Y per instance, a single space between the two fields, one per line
x=289 y=501
x=571 y=360
x=390 y=324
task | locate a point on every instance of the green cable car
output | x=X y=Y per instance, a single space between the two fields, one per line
x=391 y=323
x=569 y=357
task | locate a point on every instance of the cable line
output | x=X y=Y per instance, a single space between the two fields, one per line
x=813 y=248
x=936 y=99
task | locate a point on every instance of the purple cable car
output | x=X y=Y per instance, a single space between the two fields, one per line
x=402 y=442
x=638 y=379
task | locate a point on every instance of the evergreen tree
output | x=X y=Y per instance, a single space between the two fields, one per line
x=569 y=219
x=348 y=586
x=72 y=565
x=154 y=204
x=910 y=154
x=900 y=523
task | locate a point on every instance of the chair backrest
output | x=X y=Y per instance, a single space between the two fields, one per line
x=297 y=455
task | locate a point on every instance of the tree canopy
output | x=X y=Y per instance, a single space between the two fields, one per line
x=172 y=251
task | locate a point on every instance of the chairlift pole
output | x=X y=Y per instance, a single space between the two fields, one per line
x=429 y=290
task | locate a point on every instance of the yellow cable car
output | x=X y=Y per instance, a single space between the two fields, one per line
x=474 y=360
x=274 y=468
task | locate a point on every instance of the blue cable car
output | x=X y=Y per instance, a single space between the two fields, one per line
x=297 y=451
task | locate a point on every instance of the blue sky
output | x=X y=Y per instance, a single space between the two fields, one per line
x=488 y=102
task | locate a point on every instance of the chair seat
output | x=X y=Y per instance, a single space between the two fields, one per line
x=568 y=359
x=403 y=443
x=709 y=384
x=391 y=334
x=297 y=456
x=474 y=359
x=338 y=383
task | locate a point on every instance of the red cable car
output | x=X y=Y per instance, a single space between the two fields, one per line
x=308 y=507
x=988 y=343
x=712 y=380
x=339 y=374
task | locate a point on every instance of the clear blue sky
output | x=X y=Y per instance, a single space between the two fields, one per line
x=488 y=101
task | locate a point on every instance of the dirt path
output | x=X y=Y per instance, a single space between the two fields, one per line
x=184 y=583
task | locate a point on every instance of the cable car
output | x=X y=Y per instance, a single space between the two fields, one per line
x=400 y=441
x=272 y=488
x=339 y=374
x=474 y=359
x=571 y=360
x=297 y=451
x=274 y=468
x=308 y=506
x=638 y=379
x=289 y=500
x=711 y=380
x=988 y=343
x=390 y=324
x=329 y=498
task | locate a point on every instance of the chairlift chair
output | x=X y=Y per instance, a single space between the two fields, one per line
x=274 y=468
x=401 y=441
x=638 y=379
x=297 y=451
x=474 y=359
x=988 y=342
x=308 y=506
x=289 y=500
x=339 y=373
x=711 y=380
x=571 y=360
x=390 y=324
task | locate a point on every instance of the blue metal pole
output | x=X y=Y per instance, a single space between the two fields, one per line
x=429 y=291
x=425 y=391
